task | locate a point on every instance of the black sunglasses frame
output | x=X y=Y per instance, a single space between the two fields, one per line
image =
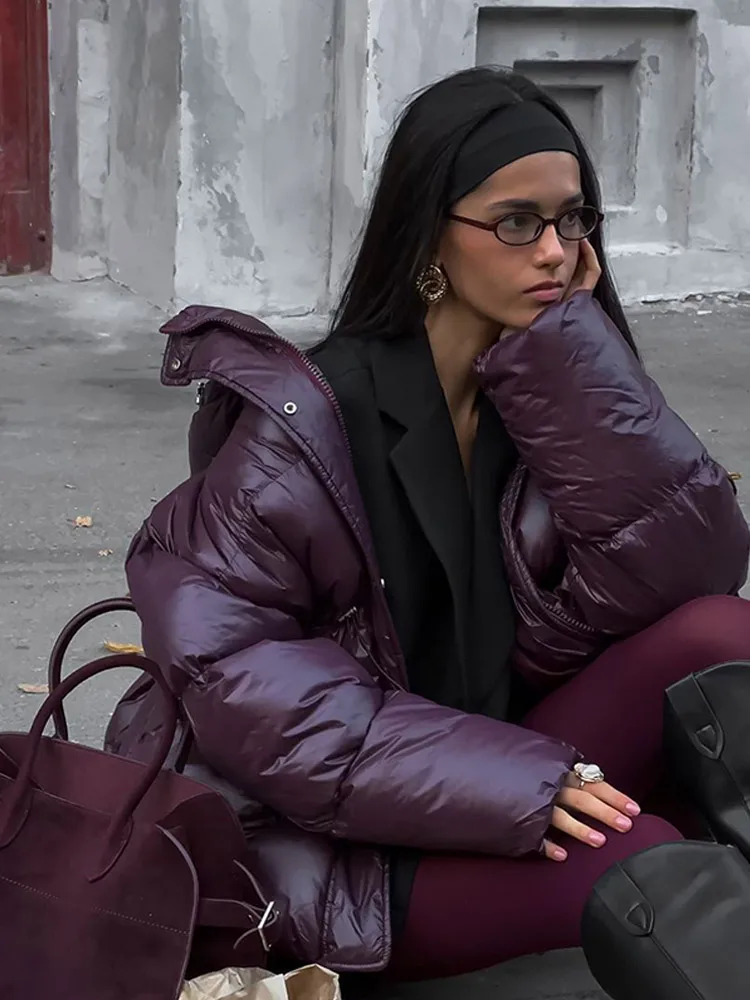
x=492 y=227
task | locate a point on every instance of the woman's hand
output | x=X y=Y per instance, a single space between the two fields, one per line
x=600 y=801
x=588 y=272
x=585 y=278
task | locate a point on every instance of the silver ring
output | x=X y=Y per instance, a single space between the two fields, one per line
x=588 y=774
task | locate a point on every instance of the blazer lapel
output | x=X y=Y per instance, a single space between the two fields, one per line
x=426 y=458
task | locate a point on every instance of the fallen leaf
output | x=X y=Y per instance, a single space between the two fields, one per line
x=123 y=647
x=105 y=552
x=34 y=688
x=84 y=522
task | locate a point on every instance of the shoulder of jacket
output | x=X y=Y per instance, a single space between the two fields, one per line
x=256 y=454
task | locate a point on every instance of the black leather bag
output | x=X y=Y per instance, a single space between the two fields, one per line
x=707 y=747
x=672 y=923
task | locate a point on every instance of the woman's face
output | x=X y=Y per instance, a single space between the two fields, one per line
x=500 y=283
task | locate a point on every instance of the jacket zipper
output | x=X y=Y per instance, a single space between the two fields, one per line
x=282 y=345
x=530 y=591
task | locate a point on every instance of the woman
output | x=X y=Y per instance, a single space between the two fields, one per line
x=397 y=686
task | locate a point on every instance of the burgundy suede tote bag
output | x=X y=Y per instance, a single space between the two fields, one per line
x=117 y=879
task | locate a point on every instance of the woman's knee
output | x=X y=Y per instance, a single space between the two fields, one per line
x=717 y=626
x=648 y=831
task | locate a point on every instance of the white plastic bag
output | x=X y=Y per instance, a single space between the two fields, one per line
x=310 y=983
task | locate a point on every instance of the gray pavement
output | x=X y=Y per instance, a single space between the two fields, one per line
x=87 y=431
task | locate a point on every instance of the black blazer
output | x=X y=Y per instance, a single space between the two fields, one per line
x=438 y=546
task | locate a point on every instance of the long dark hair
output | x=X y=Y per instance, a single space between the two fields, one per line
x=408 y=209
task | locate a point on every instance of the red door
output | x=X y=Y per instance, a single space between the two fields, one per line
x=25 y=243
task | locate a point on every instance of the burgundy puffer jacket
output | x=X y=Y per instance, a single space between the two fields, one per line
x=260 y=596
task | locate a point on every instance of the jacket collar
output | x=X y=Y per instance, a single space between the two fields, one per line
x=243 y=353
x=406 y=383
x=426 y=457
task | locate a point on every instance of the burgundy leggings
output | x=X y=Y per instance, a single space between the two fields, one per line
x=470 y=913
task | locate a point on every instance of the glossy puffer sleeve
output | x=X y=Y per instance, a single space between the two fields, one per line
x=648 y=518
x=296 y=721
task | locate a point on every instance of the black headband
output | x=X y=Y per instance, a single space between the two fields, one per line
x=503 y=137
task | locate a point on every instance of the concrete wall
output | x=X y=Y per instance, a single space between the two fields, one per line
x=248 y=188
x=79 y=105
x=141 y=200
x=114 y=83
x=256 y=154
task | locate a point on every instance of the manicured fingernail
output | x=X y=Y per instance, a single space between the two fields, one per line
x=559 y=854
x=597 y=839
x=623 y=823
x=632 y=809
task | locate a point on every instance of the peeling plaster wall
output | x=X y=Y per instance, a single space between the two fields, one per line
x=79 y=105
x=384 y=55
x=256 y=151
x=141 y=204
x=721 y=152
x=224 y=150
x=351 y=130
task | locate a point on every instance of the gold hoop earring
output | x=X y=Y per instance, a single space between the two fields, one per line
x=432 y=284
